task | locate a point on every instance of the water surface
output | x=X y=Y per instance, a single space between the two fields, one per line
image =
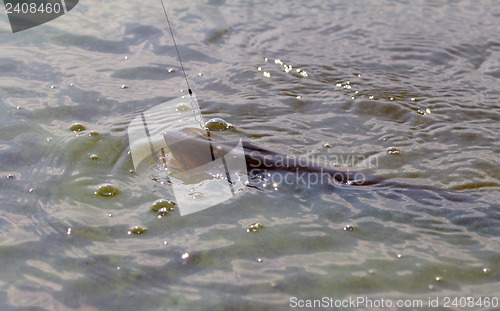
x=405 y=90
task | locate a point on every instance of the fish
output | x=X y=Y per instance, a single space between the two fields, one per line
x=192 y=143
x=204 y=169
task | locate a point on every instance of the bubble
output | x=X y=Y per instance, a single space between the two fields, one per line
x=162 y=206
x=107 y=190
x=486 y=270
x=400 y=256
x=185 y=256
x=182 y=107
x=77 y=127
x=424 y=112
x=196 y=195
x=218 y=124
x=393 y=151
x=137 y=230
x=259 y=260
x=255 y=227
x=438 y=279
x=349 y=228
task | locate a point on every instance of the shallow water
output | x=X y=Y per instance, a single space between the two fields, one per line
x=405 y=90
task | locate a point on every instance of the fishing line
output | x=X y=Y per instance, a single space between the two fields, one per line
x=196 y=108
x=194 y=105
x=177 y=49
x=169 y=129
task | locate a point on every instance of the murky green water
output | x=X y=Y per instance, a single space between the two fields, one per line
x=405 y=90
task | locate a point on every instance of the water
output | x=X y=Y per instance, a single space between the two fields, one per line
x=404 y=90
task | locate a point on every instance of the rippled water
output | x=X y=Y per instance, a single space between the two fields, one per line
x=407 y=90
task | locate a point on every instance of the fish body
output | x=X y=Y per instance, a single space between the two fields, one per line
x=195 y=147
